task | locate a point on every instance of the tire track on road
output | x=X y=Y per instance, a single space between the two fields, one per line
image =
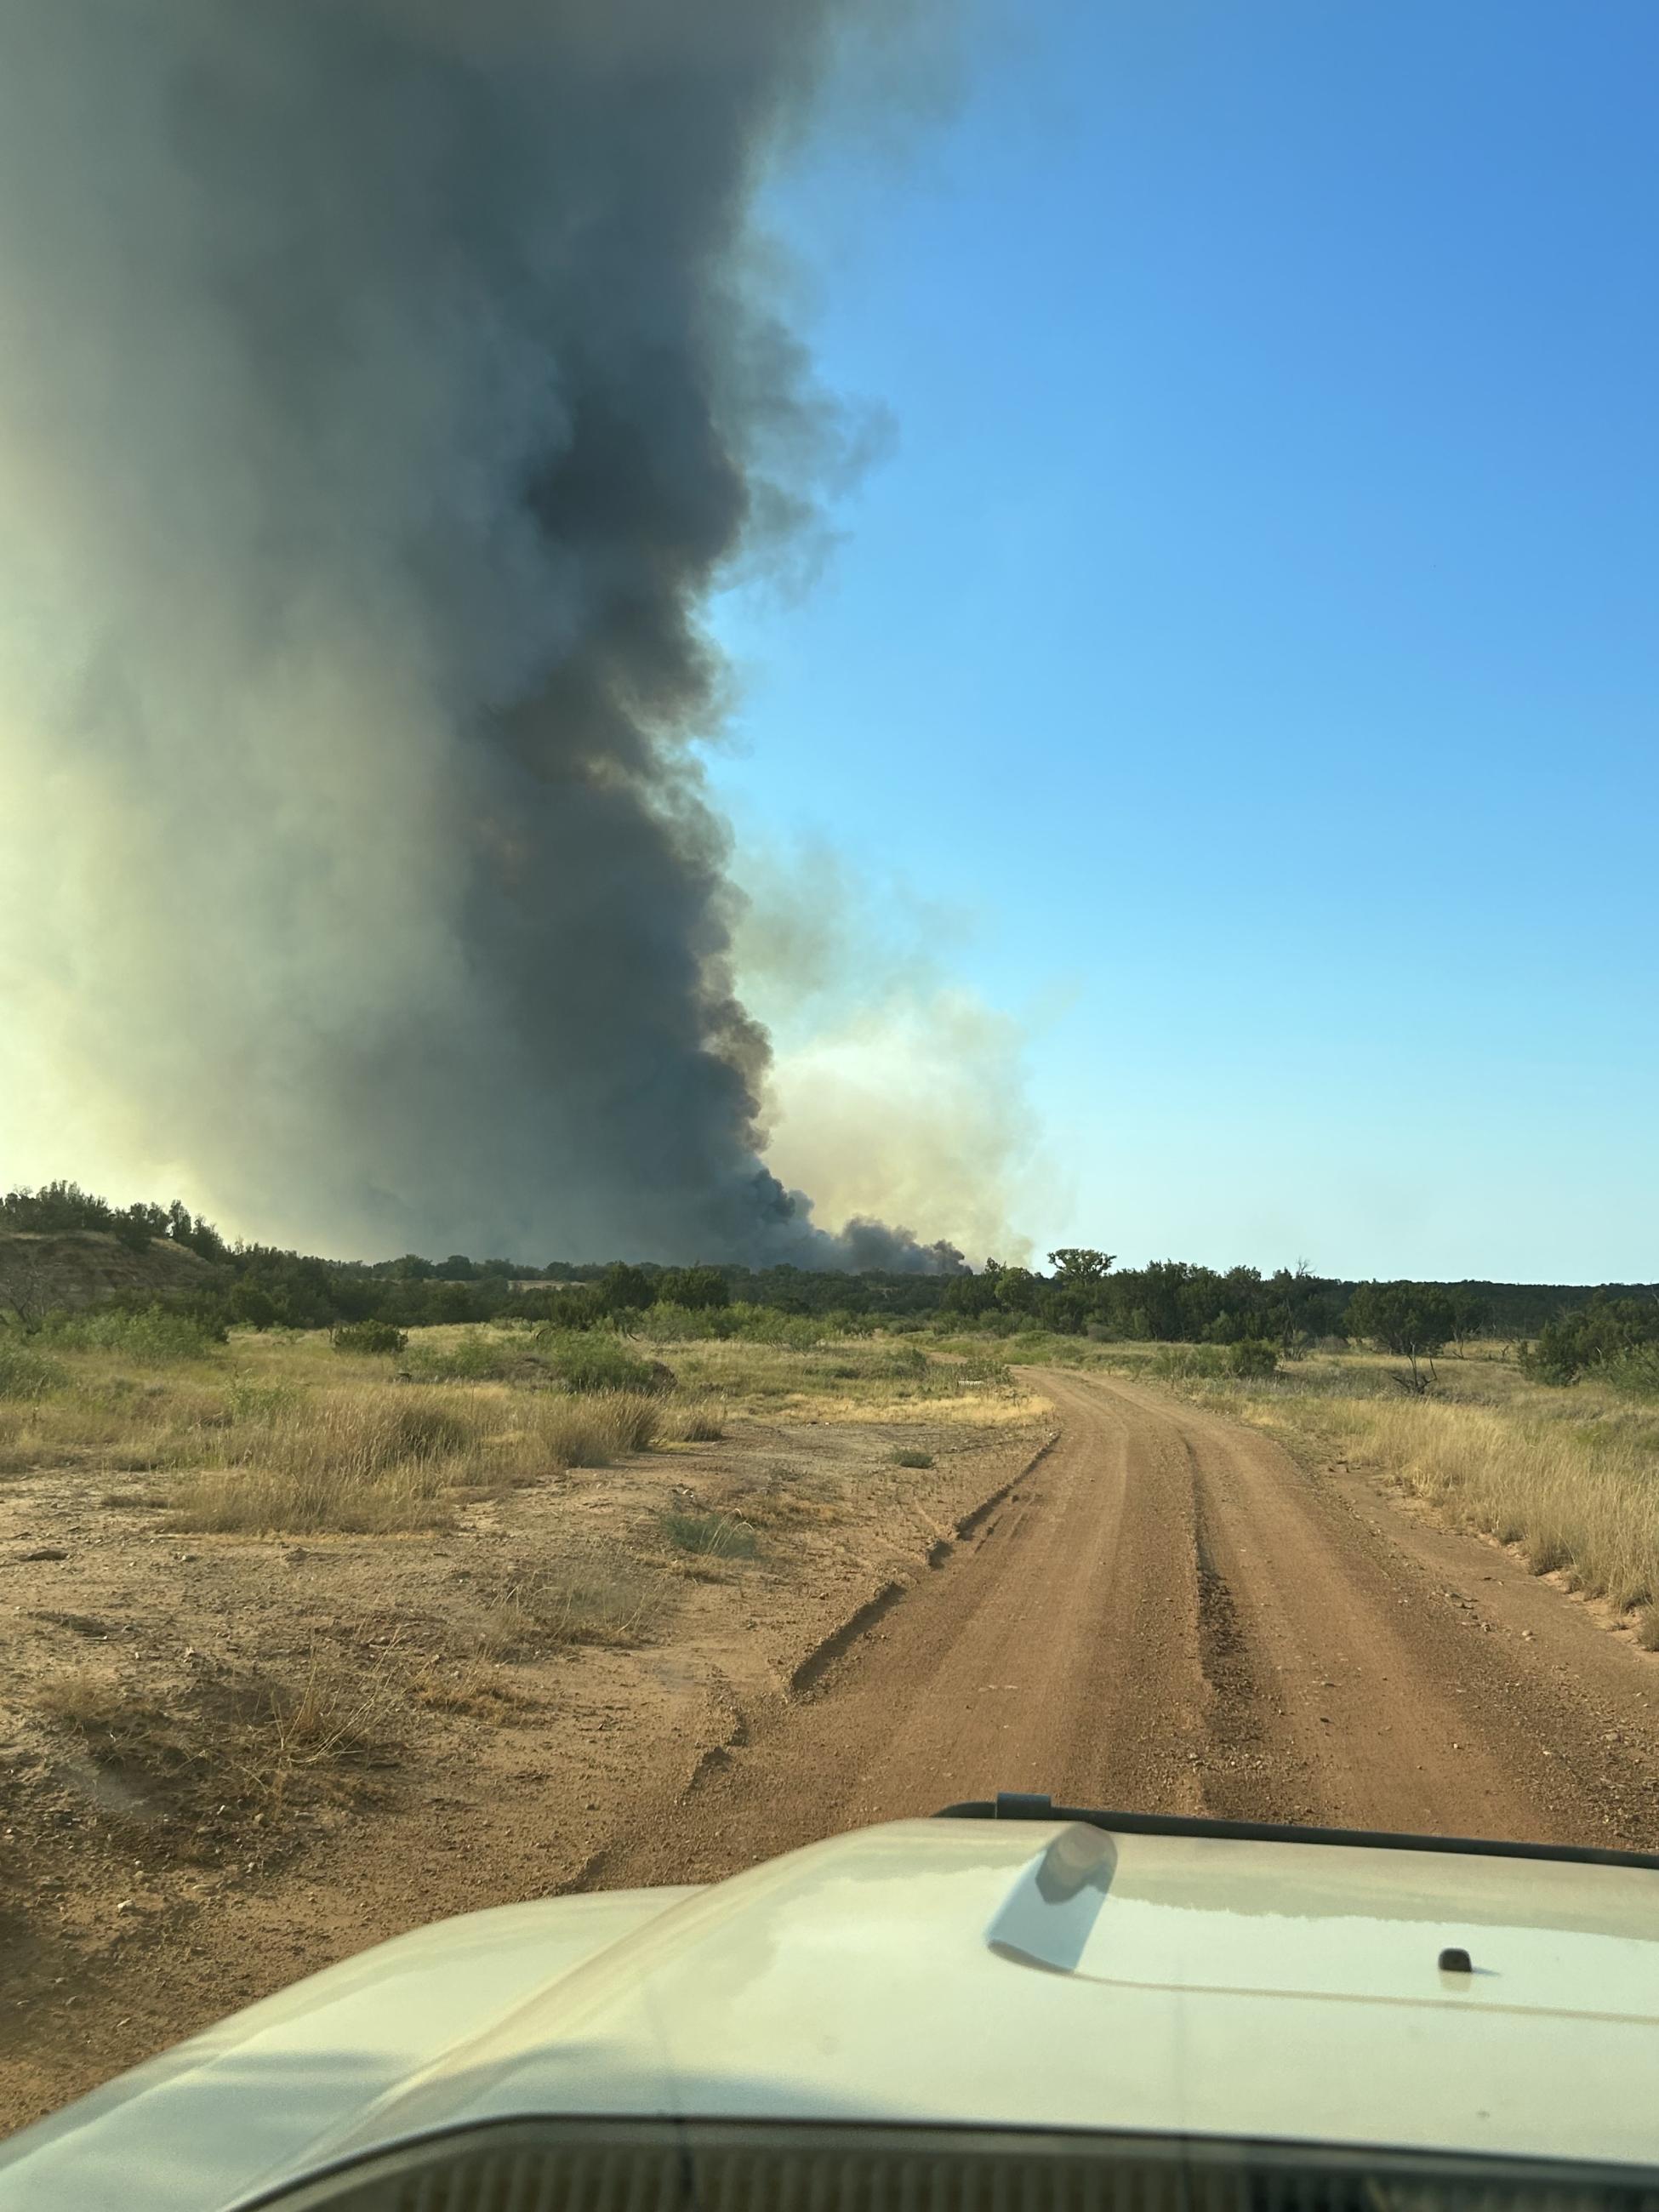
x=1165 y=1614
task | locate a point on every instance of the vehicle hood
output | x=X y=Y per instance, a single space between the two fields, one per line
x=980 y=1972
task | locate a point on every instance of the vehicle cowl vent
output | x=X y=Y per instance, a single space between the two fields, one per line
x=632 y=2166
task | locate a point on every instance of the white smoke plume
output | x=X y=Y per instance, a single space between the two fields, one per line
x=895 y=1089
x=383 y=385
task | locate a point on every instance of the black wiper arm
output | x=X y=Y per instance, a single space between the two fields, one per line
x=1021 y=1805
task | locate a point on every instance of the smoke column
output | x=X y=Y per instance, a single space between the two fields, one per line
x=383 y=383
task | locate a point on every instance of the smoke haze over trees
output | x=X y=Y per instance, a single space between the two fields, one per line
x=1613 y=1328
x=387 y=383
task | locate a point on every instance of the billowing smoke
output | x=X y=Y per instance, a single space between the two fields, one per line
x=894 y=1086
x=383 y=385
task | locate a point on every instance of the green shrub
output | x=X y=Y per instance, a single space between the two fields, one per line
x=368 y=1336
x=1253 y=1360
x=151 y=1336
x=984 y=1374
x=906 y=1457
x=1605 y=1333
x=253 y=1307
x=1636 y=1371
x=794 y=1331
x=25 y=1372
x=480 y=1356
x=622 y=1289
x=908 y=1360
x=595 y=1360
x=698 y=1290
x=1189 y=1363
x=710 y=1536
x=252 y=1402
x=667 y=1323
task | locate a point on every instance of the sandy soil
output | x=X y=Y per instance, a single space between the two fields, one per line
x=133 y=1912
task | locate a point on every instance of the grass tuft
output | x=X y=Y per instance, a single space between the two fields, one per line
x=592 y=1429
x=695 y=1420
x=231 y=1742
x=595 y=1596
x=709 y=1535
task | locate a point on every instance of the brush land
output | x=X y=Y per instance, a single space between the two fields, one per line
x=308 y=1642
x=328 y=1616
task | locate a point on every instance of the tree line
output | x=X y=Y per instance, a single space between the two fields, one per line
x=1084 y=1291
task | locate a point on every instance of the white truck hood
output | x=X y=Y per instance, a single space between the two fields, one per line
x=1027 y=1974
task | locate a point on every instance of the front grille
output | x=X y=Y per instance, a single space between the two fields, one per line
x=648 y=2166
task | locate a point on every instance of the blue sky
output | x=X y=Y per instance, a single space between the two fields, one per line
x=1249 y=641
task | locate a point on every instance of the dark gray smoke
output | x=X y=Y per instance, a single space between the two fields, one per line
x=384 y=384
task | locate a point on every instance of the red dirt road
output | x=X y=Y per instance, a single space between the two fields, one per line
x=1169 y=1614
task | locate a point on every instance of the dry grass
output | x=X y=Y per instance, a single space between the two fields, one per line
x=595 y=1428
x=385 y=1458
x=328 y=1715
x=597 y=1596
x=373 y=1460
x=712 y=1537
x=229 y=1742
x=783 y=1497
x=26 y=1373
x=111 y=1421
x=867 y=1379
x=479 y=1687
x=691 y=1420
x=283 y=1435
x=1570 y=1477
x=1575 y=1495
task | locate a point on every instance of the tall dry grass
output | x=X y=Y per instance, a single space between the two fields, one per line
x=368 y=1460
x=110 y=1422
x=381 y=1459
x=284 y=1435
x=592 y=1429
x=699 y=1420
x=1570 y=1476
x=1575 y=1494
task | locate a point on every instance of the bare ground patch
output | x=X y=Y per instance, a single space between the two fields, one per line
x=232 y=1754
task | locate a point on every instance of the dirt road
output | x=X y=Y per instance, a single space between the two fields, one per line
x=1168 y=1613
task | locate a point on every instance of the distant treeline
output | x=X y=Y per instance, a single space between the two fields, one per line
x=1083 y=1293
x=1173 y=1301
